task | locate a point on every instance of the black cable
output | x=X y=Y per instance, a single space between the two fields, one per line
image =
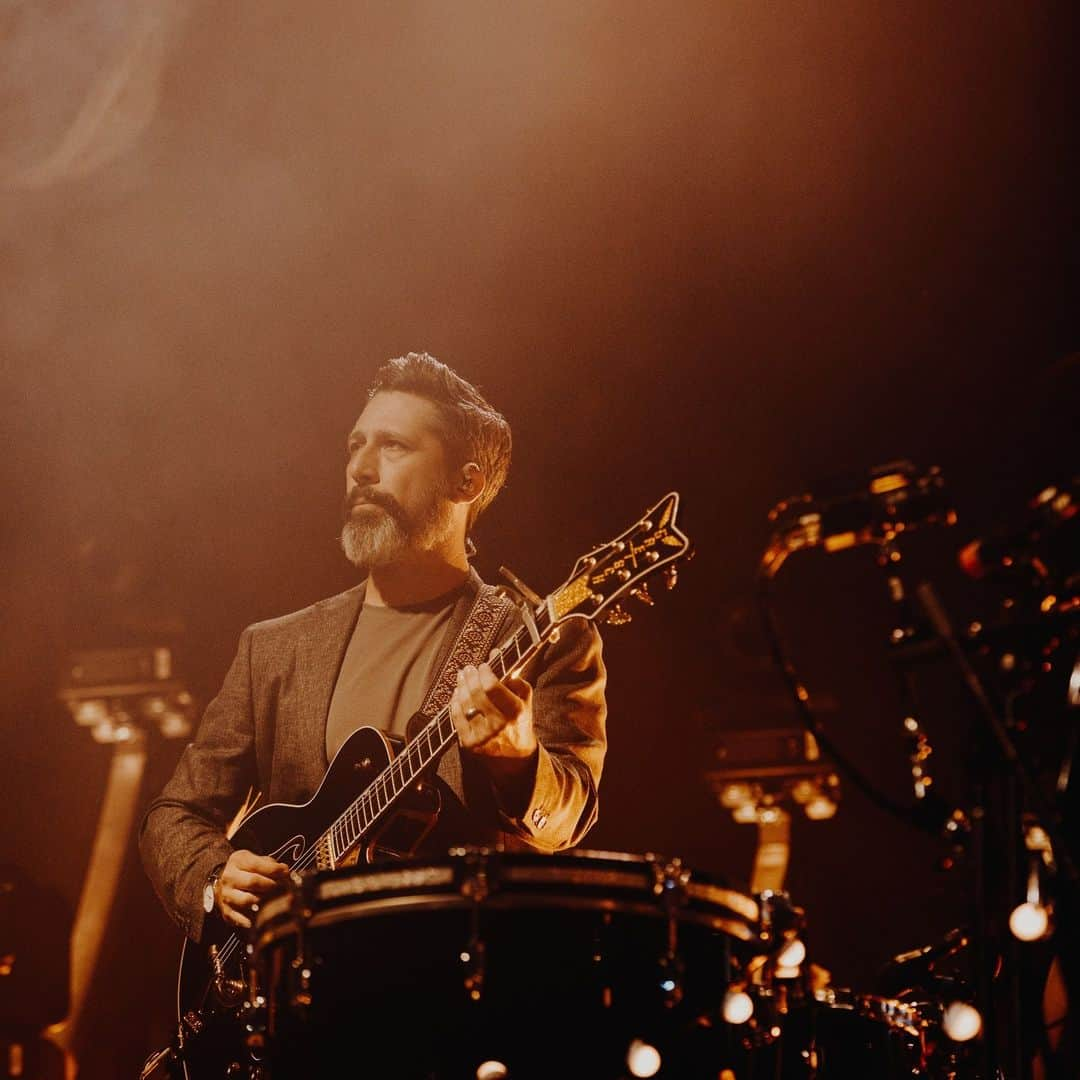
x=801 y=697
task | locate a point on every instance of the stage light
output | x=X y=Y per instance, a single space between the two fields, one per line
x=738 y=1006
x=1029 y=921
x=791 y=955
x=642 y=1059
x=961 y=1021
x=820 y=809
x=491 y=1070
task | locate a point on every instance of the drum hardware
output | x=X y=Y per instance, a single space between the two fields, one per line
x=1001 y=735
x=300 y=965
x=121 y=695
x=670 y=880
x=896 y=498
x=475 y=888
x=765 y=775
x=637 y=946
x=959 y=1024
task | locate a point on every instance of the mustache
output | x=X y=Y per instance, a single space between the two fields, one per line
x=374 y=498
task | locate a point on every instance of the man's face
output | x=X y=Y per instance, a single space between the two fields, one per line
x=397 y=481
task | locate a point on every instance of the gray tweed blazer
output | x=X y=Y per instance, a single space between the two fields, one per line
x=265 y=732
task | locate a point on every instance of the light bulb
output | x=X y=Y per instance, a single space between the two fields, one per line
x=961 y=1021
x=738 y=1007
x=792 y=954
x=1029 y=921
x=642 y=1059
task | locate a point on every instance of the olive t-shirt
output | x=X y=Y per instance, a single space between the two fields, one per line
x=388 y=667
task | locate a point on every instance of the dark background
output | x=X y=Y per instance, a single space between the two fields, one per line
x=740 y=251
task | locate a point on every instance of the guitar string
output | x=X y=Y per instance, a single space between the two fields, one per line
x=498 y=664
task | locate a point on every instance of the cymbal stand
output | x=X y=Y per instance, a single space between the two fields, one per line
x=907 y=631
x=1018 y=792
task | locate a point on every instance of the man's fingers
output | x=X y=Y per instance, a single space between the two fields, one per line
x=237 y=898
x=236 y=918
x=483 y=691
x=251 y=863
x=253 y=883
x=519 y=687
x=486 y=677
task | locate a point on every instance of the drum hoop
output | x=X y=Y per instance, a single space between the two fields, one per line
x=497 y=902
x=894 y=1014
x=585 y=869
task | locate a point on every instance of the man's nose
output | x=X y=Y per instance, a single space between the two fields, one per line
x=363 y=467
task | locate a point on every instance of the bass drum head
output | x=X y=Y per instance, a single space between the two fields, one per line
x=549 y=964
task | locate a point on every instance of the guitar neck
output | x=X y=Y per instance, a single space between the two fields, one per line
x=384 y=792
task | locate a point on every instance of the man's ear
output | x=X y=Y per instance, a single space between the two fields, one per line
x=470 y=483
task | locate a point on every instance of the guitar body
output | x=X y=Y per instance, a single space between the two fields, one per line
x=213 y=977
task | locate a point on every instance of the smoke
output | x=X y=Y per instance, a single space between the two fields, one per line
x=79 y=85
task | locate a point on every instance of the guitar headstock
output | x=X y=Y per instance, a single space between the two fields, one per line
x=621 y=566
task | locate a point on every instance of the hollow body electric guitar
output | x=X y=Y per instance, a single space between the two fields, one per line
x=368 y=786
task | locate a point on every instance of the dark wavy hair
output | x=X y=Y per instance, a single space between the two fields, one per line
x=471 y=429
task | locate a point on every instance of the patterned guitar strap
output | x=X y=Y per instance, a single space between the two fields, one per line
x=473 y=645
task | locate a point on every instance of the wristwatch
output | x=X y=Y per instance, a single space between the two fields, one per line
x=209 y=897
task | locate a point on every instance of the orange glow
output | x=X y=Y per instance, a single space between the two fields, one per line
x=840 y=541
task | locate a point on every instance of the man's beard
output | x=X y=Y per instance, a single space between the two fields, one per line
x=386 y=530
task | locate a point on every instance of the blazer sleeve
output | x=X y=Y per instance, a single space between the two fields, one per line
x=570 y=718
x=182 y=836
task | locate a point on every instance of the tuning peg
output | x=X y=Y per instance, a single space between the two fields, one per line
x=618 y=616
x=642 y=593
x=671 y=576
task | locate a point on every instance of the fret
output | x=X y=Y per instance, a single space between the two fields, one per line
x=445 y=728
x=396 y=776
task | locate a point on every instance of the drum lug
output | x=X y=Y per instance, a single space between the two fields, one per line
x=669 y=885
x=475 y=887
x=300 y=965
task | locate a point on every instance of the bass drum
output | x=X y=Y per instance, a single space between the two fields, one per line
x=551 y=965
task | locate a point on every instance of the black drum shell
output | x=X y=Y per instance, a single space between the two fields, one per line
x=551 y=964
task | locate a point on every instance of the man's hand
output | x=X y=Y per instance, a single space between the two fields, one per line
x=244 y=878
x=493 y=719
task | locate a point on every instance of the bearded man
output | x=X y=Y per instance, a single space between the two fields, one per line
x=427 y=455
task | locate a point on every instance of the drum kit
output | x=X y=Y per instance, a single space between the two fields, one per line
x=486 y=963
x=581 y=964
